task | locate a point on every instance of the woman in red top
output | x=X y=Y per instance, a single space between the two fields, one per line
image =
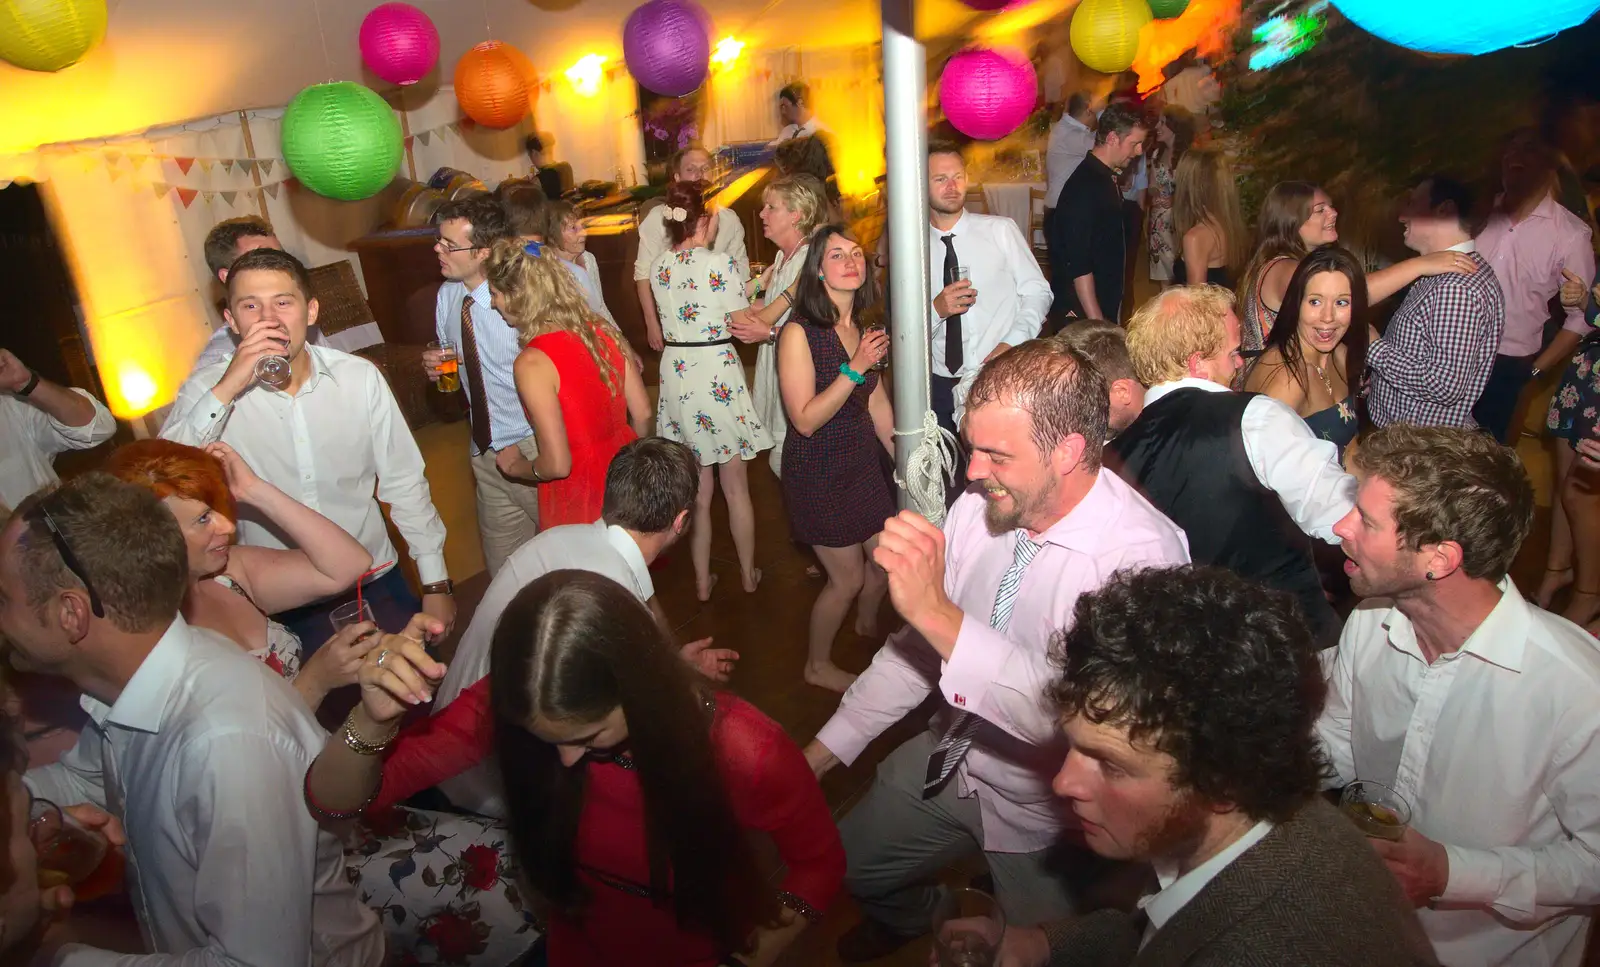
x=583 y=395
x=631 y=785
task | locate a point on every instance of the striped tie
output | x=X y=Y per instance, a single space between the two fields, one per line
x=955 y=742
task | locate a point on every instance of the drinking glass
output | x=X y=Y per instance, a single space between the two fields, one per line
x=351 y=613
x=273 y=370
x=1377 y=810
x=873 y=321
x=70 y=855
x=449 y=380
x=967 y=929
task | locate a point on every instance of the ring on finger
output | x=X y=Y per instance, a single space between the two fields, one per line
x=382 y=656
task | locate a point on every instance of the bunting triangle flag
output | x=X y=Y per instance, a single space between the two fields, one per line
x=229 y=196
x=113 y=173
x=161 y=188
x=206 y=164
x=112 y=157
x=187 y=196
x=273 y=190
x=208 y=196
x=247 y=165
x=266 y=166
x=425 y=137
x=184 y=164
x=227 y=165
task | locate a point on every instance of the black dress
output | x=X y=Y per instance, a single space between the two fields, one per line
x=834 y=486
x=1217 y=275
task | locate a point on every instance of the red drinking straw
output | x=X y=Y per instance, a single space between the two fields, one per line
x=363 y=580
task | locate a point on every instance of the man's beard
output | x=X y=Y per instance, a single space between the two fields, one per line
x=1022 y=508
x=939 y=207
x=1176 y=833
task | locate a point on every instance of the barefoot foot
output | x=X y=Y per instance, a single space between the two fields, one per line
x=828 y=675
x=752 y=580
x=1555 y=578
x=866 y=624
x=1583 y=607
x=703 y=591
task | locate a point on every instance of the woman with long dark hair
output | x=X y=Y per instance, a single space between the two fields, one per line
x=630 y=783
x=1315 y=356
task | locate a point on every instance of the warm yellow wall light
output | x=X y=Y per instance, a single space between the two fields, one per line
x=586 y=74
x=726 y=52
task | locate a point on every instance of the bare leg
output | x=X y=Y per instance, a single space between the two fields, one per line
x=741 y=519
x=1558 y=562
x=874 y=585
x=844 y=567
x=1581 y=495
x=700 y=537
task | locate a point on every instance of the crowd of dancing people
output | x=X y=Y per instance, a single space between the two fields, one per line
x=1237 y=566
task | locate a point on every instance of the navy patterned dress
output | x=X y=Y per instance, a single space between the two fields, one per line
x=835 y=485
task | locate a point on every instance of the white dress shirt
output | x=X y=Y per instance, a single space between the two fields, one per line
x=587 y=271
x=30 y=438
x=1070 y=141
x=1497 y=749
x=498 y=347
x=792 y=131
x=599 y=548
x=1176 y=891
x=341 y=439
x=202 y=758
x=1013 y=295
x=1288 y=459
x=653 y=241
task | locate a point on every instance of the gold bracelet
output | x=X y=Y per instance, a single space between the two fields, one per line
x=361 y=746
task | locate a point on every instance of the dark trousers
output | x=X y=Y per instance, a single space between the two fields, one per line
x=942 y=400
x=390 y=598
x=1508 y=377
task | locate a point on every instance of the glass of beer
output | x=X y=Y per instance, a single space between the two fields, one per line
x=70 y=855
x=449 y=371
x=1377 y=810
x=967 y=929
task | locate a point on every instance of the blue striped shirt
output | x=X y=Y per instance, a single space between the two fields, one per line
x=498 y=346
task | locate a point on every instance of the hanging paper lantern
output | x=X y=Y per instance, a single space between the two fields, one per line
x=1465 y=26
x=399 y=43
x=1168 y=9
x=987 y=94
x=988 y=5
x=667 y=46
x=491 y=85
x=341 y=140
x=47 y=35
x=1105 y=33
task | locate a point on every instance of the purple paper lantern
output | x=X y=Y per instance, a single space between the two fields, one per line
x=399 y=43
x=667 y=45
x=987 y=94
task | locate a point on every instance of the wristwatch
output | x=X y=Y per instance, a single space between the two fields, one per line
x=28 y=387
x=446 y=586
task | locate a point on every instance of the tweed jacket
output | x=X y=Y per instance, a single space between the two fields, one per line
x=1312 y=893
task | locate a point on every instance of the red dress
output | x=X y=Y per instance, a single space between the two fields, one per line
x=596 y=420
x=771 y=788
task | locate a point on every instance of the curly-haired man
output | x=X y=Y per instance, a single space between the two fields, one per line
x=1189 y=696
x=1479 y=709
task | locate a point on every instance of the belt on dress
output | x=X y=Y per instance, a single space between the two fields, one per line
x=708 y=342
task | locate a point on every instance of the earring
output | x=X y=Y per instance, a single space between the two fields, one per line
x=1430 y=576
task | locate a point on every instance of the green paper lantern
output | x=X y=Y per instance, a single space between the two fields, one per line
x=1105 y=33
x=342 y=140
x=47 y=35
x=1168 y=9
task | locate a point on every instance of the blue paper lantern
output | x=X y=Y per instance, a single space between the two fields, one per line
x=1465 y=26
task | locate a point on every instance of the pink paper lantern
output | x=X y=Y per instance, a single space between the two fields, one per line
x=667 y=44
x=399 y=43
x=987 y=94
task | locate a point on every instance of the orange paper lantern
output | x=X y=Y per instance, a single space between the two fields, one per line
x=492 y=84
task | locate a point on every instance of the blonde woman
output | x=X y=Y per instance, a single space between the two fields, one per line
x=584 y=397
x=1212 y=245
x=792 y=208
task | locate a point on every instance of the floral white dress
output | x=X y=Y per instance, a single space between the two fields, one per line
x=769 y=397
x=703 y=399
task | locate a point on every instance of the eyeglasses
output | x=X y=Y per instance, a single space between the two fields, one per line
x=443 y=244
x=68 y=558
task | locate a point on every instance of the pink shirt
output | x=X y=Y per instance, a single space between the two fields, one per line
x=1003 y=677
x=1528 y=258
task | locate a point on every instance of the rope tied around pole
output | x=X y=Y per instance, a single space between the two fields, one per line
x=928 y=467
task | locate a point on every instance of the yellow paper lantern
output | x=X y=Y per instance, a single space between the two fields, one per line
x=1105 y=33
x=47 y=35
x=492 y=84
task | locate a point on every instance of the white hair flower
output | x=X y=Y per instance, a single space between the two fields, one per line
x=673 y=214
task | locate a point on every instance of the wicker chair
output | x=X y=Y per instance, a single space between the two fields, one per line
x=341 y=306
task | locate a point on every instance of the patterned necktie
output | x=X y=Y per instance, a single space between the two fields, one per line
x=957 y=739
x=477 y=397
x=952 y=324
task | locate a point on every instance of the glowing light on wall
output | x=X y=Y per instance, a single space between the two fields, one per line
x=586 y=74
x=1205 y=27
x=726 y=52
x=137 y=388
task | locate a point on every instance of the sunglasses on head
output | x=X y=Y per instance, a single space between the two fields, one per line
x=41 y=513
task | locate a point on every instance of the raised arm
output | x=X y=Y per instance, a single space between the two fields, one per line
x=1387 y=281
x=1302 y=469
x=74 y=420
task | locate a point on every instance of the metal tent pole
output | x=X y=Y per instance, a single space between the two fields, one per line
x=906 y=137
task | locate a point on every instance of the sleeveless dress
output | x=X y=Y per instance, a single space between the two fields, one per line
x=1217 y=275
x=1256 y=320
x=596 y=420
x=441 y=883
x=835 y=488
x=768 y=397
x=703 y=400
x=1337 y=423
x=1163 y=250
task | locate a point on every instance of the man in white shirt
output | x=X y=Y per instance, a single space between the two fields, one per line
x=1241 y=473
x=1480 y=710
x=332 y=437
x=1001 y=300
x=194 y=753
x=794 y=113
x=486 y=348
x=693 y=163
x=1189 y=698
x=227 y=240
x=39 y=419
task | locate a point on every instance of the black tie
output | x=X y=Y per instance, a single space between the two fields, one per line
x=952 y=325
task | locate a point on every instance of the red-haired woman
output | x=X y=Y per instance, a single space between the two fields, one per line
x=232 y=589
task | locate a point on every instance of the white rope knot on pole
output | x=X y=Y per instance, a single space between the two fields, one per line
x=928 y=467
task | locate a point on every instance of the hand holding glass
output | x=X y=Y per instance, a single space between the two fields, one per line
x=70 y=855
x=448 y=373
x=967 y=929
x=351 y=613
x=1377 y=810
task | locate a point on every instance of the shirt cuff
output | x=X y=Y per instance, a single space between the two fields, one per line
x=1576 y=323
x=843 y=739
x=974 y=664
x=431 y=568
x=1475 y=876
